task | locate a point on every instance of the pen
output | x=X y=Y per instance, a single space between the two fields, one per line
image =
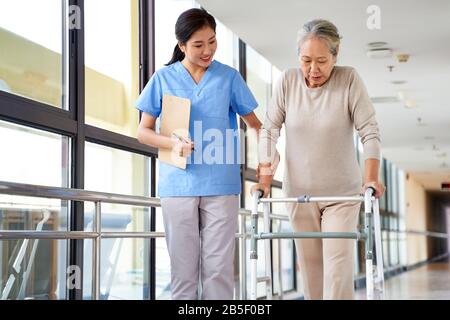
x=181 y=139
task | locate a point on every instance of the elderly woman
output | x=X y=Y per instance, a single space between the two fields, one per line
x=320 y=104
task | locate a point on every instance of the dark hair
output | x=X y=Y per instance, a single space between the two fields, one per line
x=189 y=22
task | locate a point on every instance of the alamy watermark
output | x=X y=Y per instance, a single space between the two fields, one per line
x=374 y=19
x=74 y=17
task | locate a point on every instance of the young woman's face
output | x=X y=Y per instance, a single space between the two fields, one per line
x=201 y=47
x=316 y=61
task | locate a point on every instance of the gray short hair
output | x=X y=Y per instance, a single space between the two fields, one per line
x=320 y=28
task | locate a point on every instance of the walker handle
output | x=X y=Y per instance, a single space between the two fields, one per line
x=260 y=193
x=374 y=191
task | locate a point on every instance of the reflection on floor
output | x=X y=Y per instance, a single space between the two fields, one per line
x=429 y=282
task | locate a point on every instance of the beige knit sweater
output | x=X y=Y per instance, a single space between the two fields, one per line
x=320 y=156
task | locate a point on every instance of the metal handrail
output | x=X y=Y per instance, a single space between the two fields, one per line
x=420 y=233
x=19 y=189
x=29 y=190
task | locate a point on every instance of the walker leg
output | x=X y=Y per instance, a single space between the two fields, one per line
x=369 y=243
x=379 y=279
x=268 y=255
x=369 y=279
x=254 y=247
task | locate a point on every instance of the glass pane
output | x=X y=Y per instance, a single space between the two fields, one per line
x=227 y=46
x=162 y=270
x=124 y=262
x=34 y=156
x=167 y=12
x=259 y=80
x=38 y=274
x=33 y=269
x=281 y=144
x=31 y=49
x=122 y=275
x=162 y=255
x=116 y=171
x=112 y=65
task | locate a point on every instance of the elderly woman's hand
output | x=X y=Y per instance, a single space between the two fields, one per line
x=265 y=188
x=378 y=186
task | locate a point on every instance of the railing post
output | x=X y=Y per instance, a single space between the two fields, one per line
x=280 y=266
x=242 y=258
x=96 y=246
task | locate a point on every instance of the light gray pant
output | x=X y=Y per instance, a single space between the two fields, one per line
x=200 y=236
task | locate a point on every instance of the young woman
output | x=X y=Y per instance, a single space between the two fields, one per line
x=200 y=204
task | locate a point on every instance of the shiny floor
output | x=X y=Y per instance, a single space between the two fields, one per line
x=429 y=282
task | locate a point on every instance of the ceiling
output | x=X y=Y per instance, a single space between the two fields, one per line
x=416 y=27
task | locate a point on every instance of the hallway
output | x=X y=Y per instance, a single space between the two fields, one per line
x=429 y=282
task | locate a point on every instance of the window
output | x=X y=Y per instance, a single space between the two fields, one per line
x=259 y=80
x=31 y=63
x=167 y=12
x=227 y=46
x=112 y=65
x=124 y=262
x=33 y=157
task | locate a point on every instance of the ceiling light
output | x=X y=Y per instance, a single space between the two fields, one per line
x=377 y=44
x=429 y=138
x=402 y=57
x=379 y=53
x=386 y=99
x=399 y=82
x=401 y=95
x=410 y=103
x=420 y=123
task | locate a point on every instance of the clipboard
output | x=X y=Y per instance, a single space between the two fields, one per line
x=175 y=116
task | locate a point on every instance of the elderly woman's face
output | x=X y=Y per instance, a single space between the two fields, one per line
x=316 y=61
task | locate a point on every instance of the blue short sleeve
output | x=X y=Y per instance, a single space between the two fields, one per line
x=150 y=99
x=242 y=100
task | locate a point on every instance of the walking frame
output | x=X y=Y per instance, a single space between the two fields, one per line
x=371 y=234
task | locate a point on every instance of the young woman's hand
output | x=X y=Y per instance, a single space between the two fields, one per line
x=183 y=148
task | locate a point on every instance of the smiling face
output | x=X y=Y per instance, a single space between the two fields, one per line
x=316 y=61
x=199 y=50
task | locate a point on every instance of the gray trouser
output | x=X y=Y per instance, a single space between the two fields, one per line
x=200 y=236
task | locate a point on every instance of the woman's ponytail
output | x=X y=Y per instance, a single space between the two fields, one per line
x=177 y=55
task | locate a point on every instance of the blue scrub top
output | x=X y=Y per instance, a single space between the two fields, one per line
x=213 y=168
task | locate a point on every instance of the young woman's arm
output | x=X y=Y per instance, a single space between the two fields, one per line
x=252 y=121
x=146 y=134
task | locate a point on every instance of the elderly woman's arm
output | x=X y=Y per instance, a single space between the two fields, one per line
x=363 y=116
x=268 y=137
x=371 y=177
